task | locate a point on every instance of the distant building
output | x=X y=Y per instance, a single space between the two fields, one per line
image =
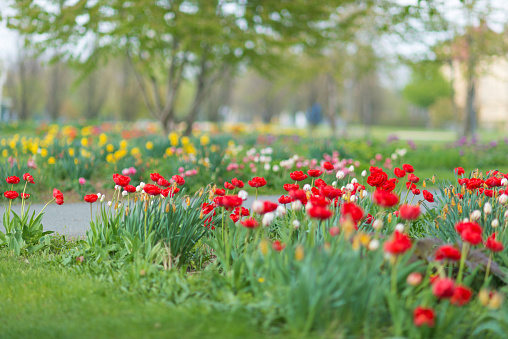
x=491 y=99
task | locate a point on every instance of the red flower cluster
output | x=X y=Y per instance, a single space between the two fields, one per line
x=229 y=202
x=377 y=177
x=470 y=232
x=424 y=316
x=447 y=252
x=11 y=195
x=28 y=178
x=12 y=180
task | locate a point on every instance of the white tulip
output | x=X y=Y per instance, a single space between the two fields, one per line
x=351 y=168
x=281 y=210
x=364 y=173
x=475 y=215
x=306 y=187
x=503 y=199
x=296 y=224
x=340 y=175
x=399 y=227
x=494 y=223
x=258 y=207
x=267 y=219
x=354 y=181
x=296 y=205
x=374 y=245
x=487 y=208
x=243 y=194
x=377 y=224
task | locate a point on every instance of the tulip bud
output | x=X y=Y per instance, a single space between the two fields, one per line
x=394 y=156
x=264 y=246
x=258 y=207
x=374 y=245
x=102 y=198
x=414 y=279
x=275 y=168
x=267 y=167
x=484 y=297
x=243 y=194
x=364 y=173
x=281 y=210
x=296 y=224
x=306 y=187
x=465 y=220
x=496 y=300
x=494 y=223
x=110 y=203
x=142 y=184
x=503 y=198
x=487 y=208
x=353 y=198
x=138 y=188
x=475 y=215
x=340 y=175
x=504 y=181
x=377 y=224
x=351 y=168
x=296 y=205
x=117 y=187
x=399 y=227
x=99 y=195
x=125 y=193
x=299 y=253
x=350 y=187
x=267 y=219
x=334 y=184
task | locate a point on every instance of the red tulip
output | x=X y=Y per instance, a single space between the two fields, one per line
x=470 y=232
x=178 y=179
x=409 y=212
x=27 y=177
x=398 y=244
x=399 y=173
x=461 y=295
x=443 y=288
x=459 y=170
x=237 y=183
x=250 y=223
x=447 y=252
x=428 y=196
x=12 y=180
x=494 y=245
x=298 y=176
x=328 y=166
x=424 y=316
x=11 y=195
x=408 y=168
x=385 y=199
x=25 y=195
x=278 y=246
x=314 y=173
x=285 y=200
x=319 y=212
x=353 y=210
x=155 y=177
x=91 y=198
x=130 y=188
x=291 y=187
x=152 y=189
x=257 y=182
x=163 y=182
x=121 y=180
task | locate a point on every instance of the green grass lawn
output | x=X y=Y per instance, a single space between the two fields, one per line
x=42 y=300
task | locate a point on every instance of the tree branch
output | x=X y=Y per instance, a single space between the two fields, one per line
x=141 y=84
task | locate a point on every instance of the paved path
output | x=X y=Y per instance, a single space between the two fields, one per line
x=74 y=219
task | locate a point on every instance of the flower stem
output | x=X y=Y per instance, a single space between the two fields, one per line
x=487 y=271
x=394 y=276
x=462 y=261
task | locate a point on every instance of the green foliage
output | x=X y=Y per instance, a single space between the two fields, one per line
x=427 y=85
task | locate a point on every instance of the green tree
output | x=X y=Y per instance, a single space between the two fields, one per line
x=427 y=85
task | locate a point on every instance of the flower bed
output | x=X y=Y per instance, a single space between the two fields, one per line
x=340 y=253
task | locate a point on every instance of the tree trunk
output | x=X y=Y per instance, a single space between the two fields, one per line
x=332 y=102
x=470 y=118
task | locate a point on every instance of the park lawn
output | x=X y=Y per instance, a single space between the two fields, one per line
x=42 y=300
